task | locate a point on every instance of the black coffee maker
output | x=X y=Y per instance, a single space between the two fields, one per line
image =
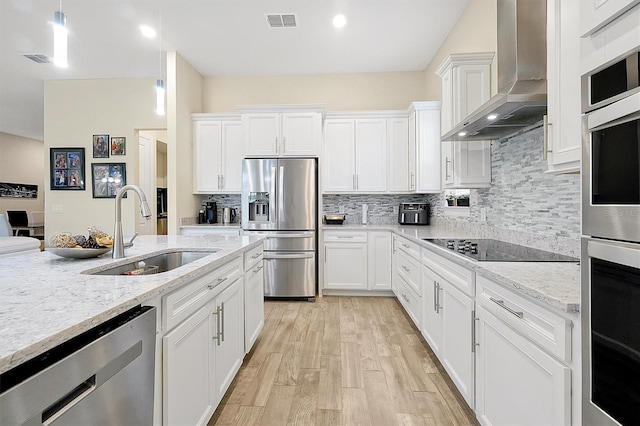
x=210 y=212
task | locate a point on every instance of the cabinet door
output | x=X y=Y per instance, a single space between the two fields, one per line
x=594 y=14
x=379 y=261
x=232 y=155
x=301 y=133
x=229 y=337
x=432 y=314
x=412 y=157
x=187 y=371
x=472 y=164
x=563 y=130
x=371 y=155
x=456 y=355
x=254 y=304
x=510 y=366
x=394 y=264
x=339 y=155
x=429 y=145
x=472 y=85
x=207 y=149
x=345 y=266
x=261 y=133
x=398 y=155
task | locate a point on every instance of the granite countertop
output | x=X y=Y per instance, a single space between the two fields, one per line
x=213 y=225
x=554 y=284
x=46 y=299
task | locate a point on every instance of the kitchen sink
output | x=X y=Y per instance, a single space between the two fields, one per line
x=156 y=264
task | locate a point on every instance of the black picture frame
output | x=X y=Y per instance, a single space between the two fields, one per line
x=118 y=145
x=107 y=179
x=100 y=146
x=67 y=169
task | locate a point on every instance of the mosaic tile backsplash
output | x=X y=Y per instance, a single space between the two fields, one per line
x=524 y=205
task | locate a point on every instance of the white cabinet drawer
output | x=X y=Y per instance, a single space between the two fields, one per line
x=411 y=302
x=346 y=236
x=550 y=331
x=409 y=269
x=457 y=275
x=409 y=247
x=182 y=303
x=252 y=257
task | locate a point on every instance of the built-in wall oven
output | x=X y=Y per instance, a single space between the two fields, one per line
x=610 y=257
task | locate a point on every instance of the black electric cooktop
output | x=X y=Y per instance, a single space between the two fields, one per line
x=487 y=250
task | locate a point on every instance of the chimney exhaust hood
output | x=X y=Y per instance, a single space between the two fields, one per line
x=521 y=100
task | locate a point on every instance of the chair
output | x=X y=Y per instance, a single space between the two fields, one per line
x=19 y=221
x=5 y=227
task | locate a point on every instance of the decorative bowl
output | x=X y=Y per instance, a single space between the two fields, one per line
x=78 y=253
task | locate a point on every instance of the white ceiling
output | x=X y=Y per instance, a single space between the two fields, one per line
x=218 y=37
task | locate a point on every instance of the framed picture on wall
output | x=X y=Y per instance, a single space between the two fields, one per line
x=118 y=145
x=108 y=178
x=100 y=146
x=67 y=169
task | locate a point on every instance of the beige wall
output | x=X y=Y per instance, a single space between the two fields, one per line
x=474 y=32
x=22 y=161
x=339 y=92
x=75 y=110
x=184 y=96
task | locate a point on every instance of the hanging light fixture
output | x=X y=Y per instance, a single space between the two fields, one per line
x=160 y=91
x=60 y=33
x=160 y=97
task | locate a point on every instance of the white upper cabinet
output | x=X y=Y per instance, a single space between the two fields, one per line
x=594 y=14
x=424 y=147
x=217 y=153
x=400 y=175
x=286 y=133
x=563 y=124
x=466 y=85
x=355 y=155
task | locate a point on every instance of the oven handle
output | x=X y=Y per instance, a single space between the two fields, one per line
x=621 y=253
x=619 y=112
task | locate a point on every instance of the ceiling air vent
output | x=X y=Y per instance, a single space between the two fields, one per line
x=39 y=58
x=282 y=20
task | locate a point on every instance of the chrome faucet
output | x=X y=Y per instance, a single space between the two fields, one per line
x=145 y=211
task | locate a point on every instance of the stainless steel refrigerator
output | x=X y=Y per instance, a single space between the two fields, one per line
x=279 y=200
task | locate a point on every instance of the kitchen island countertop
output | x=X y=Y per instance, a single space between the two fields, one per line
x=553 y=284
x=47 y=300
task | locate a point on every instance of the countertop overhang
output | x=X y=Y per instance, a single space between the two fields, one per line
x=47 y=300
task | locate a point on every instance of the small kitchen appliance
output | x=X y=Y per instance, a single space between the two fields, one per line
x=334 y=219
x=210 y=212
x=228 y=215
x=414 y=214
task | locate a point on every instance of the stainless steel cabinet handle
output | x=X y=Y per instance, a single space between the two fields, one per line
x=219 y=182
x=211 y=286
x=435 y=296
x=405 y=245
x=257 y=269
x=406 y=269
x=255 y=256
x=438 y=305
x=222 y=180
x=547 y=147
x=412 y=184
x=500 y=303
x=473 y=331
x=218 y=314
x=446 y=168
x=354 y=182
x=404 y=296
x=221 y=280
x=222 y=327
x=277 y=148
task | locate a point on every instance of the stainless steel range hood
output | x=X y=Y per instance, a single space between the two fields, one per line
x=521 y=100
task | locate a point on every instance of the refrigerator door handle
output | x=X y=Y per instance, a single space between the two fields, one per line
x=273 y=196
x=306 y=255
x=280 y=192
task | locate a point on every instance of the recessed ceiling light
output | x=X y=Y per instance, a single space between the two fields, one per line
x=492 y=116
x=147 y=31
x=462 y=134
x=339 y=21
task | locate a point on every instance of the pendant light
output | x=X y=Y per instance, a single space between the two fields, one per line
x=60 y=34
x=160 y=91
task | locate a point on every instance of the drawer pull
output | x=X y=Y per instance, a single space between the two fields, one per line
x=221 y=280
x=255 y=256
x=406 y=269
x=404 y=296
x=257 y=269
x=211 y=286
x=218 y=313
x=502 y=305
x=406 y=245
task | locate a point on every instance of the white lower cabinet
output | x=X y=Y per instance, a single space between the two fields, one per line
x=448 y=328
x=517 y=382
x=379 y=261
x=201 y=356
x=253 y=296
x=345 y=260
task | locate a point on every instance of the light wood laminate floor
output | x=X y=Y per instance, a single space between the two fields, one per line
x=341 y=361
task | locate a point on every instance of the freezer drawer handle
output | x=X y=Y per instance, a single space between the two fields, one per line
x=288 y=256
x=500 y=303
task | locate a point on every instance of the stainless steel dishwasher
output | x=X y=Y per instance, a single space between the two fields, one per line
x=102 y=377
